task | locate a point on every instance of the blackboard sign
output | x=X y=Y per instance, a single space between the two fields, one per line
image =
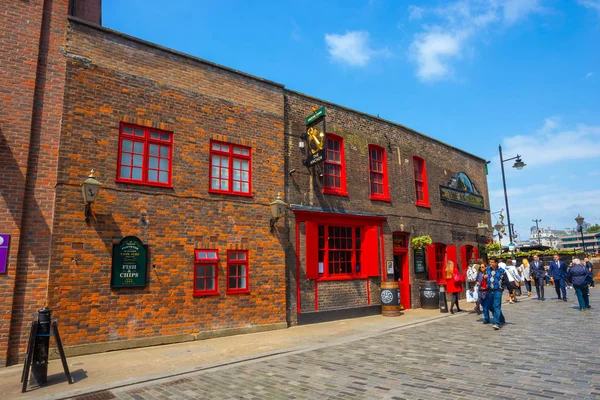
x=129 y=261
x=419 y=257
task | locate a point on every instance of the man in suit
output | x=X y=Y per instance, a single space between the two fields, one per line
x=537 y=274
x=558 y=274
x=590 y=267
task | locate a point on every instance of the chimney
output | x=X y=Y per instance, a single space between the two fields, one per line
x=87 y=10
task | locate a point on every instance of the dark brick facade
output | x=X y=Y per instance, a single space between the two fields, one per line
x=445 y=222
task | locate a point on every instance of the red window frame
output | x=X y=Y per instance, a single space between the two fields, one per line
x=334 y=171
x=440 y=262
x=203 y=259
x=149 y=152
x=378 y=174
x=234 y=153
x=340 y=249
x=421 y=190
x=243 y=273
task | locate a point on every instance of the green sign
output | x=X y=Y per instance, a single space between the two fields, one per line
x=419 y=260
x=462 y=197
x=314 y=117
x=129 y=261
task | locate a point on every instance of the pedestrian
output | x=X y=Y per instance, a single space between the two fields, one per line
x=482 y=293
x=453 y=285
x=578 y=276
x=537 y=275
x=524 y=268
x=514 y=281
x=472 y=271
x=496 y=281
x=558 y=273
x=590 y=267
x=501 y=263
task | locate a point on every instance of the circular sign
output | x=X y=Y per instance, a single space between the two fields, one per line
x=387 y=296
x=430 y=294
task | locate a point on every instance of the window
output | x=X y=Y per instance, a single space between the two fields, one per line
x=399 y=241
x=378 y=174
x=339 y=251
x=440 y=264
x=145 y=156
x=421 y=192
x=237 y=272
x=335 y=167
x=205 y=272
x=230 y=169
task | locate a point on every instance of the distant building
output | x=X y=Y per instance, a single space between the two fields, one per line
x=547 y=236
x=573 y=241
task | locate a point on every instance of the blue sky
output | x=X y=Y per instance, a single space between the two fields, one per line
x=524 y=74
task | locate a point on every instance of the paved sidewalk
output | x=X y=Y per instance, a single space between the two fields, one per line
x=97 y=372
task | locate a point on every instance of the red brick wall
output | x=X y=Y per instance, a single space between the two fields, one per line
x=130 y=81
x=31 y=34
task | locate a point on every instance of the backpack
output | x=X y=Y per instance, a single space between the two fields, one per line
x=471 y=273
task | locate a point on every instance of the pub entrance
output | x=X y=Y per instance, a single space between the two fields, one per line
x=401 y=271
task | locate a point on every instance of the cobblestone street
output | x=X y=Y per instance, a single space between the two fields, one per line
x=547 y=350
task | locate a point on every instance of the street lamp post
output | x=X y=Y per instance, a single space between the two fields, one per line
x=519 y=164
x=579 y=221
x=498 y=228
x=538 y=229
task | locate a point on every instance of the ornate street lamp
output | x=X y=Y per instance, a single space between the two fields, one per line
x=579 y=221
x=278 y=208
x=482 y=230
x=498 y=228
x=519 y=164
x=90 y=188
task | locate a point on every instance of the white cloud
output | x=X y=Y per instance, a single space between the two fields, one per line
x=455 y=27
x=589 y=75
x=352 y=48
x=591 y=4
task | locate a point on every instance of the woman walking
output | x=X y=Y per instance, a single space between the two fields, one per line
x=524 y=269
x=482 y=287
x=578 y=276
x=453 y=285
x=514 y=280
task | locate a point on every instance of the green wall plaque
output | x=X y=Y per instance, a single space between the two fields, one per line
x=129 y=262
x=419 y=259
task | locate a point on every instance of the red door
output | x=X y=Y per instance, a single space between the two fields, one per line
x=402 y=276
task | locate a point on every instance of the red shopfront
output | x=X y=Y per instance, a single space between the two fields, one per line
x=438 y=254
x=339 y=260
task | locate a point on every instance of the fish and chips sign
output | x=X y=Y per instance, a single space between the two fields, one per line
x=461 y=190
x=129 y=263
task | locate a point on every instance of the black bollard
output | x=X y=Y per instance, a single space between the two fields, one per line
x=443 y=302
x=39 y=365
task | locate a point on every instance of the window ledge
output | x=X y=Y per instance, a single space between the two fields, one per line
x=238 y=292
x=340 y=278
x=335 y=192
x=206 y=294
x=424 y=205
x=387 y=199
x=141 y=183
x=229 y=193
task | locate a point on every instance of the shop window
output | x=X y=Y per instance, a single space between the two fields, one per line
x=230 y=169
x=339 y=251
x=205 y=272
x=378 y=173
x=237 y=272
x=334 y=174
x=421 y=192
x=145 y=156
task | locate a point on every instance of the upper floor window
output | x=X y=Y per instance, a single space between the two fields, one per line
x=237 y=271
x=421 y=192
x=205 y=272
x=145 y=156
x=230 y=169
x=335 y=167
x=378 y=173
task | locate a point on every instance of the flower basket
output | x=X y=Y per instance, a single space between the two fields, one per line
x=421 y=241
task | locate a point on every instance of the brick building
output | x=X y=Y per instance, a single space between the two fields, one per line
x=190 y=154
x=381 y=184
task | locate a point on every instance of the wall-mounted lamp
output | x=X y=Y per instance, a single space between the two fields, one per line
x=90 y=189
x=278 y=208
x=291 y=171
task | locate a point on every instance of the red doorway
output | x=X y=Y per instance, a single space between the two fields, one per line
x=401 y=272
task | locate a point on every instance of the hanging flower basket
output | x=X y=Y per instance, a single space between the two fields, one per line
x=421 y=241
x=492 y=248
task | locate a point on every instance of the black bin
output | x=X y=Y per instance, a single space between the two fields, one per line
x=430 y=295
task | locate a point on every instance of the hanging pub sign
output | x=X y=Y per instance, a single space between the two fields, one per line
x=419 y=260
x=130 y=258
x=4 y=239
x=315 y=139
x=461 y=190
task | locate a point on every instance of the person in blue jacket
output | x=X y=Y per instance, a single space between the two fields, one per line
x=579 y=276
x=558 y=274
x=496 y=282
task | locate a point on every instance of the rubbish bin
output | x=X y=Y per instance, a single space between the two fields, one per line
x=430 y=295
x=390 y=299
x=39 y=365
x=443 y=302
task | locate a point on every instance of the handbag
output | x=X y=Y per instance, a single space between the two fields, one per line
x=457 y=278
x=473 y=295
